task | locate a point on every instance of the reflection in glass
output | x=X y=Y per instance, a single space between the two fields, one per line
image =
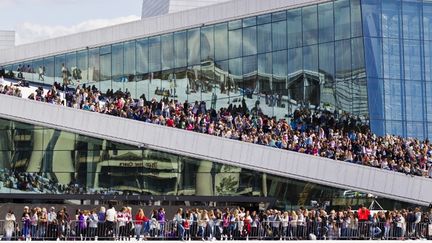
x=207 y=43
x=49 y=70
x=310 y=25
x=180 y=49
x=81 y=73
x=59 y=63
x=142 y=64
x=167 y=42
x=279 y=35
x=342 y=19
x=93 y=68
x=294 y=22
x=250 y=41
x=264 y=38
x=106 y=69
x=325 y=22
x=194 y=41
x=221 y=41
x=235 y=43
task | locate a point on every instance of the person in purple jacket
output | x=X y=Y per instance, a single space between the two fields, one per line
x=161 y=219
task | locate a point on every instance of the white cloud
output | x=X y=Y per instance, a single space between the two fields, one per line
x=29 y=32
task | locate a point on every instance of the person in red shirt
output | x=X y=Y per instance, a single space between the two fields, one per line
x=140 y=221
x=363 y=216
x=363 y=213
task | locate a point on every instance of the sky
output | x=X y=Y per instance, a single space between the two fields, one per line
x=35 y=20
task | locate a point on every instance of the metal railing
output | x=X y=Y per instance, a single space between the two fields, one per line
x=209 y=230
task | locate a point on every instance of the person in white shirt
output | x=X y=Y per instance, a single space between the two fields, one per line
x=110 y=219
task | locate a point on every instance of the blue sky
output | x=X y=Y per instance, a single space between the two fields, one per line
x=41 y=19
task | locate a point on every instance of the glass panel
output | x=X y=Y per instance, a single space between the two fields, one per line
x=265 y=69
x=235 y=24
x=180 y=49
x=167 y=51
x=374 y=62
x=392 y=61
x=207 y=43
x=154 y=54
x=376 y=98
x=342 y=19
x=356 y=19
x=414 y=100
x=38 y=68
x=235 y=43
x=310 y=25
x=250 y=67
x=325 y=22
x=106 y=67
x=415 y=130
x=412 y=60
x=310 y=60
x=279 y=31
x=360 y=96
x=82 y=66
x=371 y=17
x=391 y=21
x=427 y=21
x=129 y=60
x=343 y=60
x=264 y=38
x=221 y=41
x=236 y=75
x=142 y=64
x=393 y=100
x=279 y=16
x=194 y=56
x=428 y=102
x=117 y=63
x=129 y=68
x=357 y=57
x=250 y=41
x=249 y=22
x=279 y=82
x=264 y=19
x=142 y=67
x=180 y=84
x=49 y=70
x=294 y=22
x=71 y=66
x=428 y=60
x=94 y=70
x=60 y=66
x=295 y=65
x=394 y=127
x=326 y=62
x=411 y=14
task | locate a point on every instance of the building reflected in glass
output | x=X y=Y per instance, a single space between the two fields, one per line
x=307 y=57
x=41 y=161
x=335 y=55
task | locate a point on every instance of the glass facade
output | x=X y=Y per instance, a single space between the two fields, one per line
x=42 y=161
x=372 y=58
x=397 y=39
x=278 y=62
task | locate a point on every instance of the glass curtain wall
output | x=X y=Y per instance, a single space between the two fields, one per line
x=272 y=64
x=397 y=43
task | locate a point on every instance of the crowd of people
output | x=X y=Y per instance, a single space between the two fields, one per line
x=221 y=224
x=37 y=182
x=316 y=132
